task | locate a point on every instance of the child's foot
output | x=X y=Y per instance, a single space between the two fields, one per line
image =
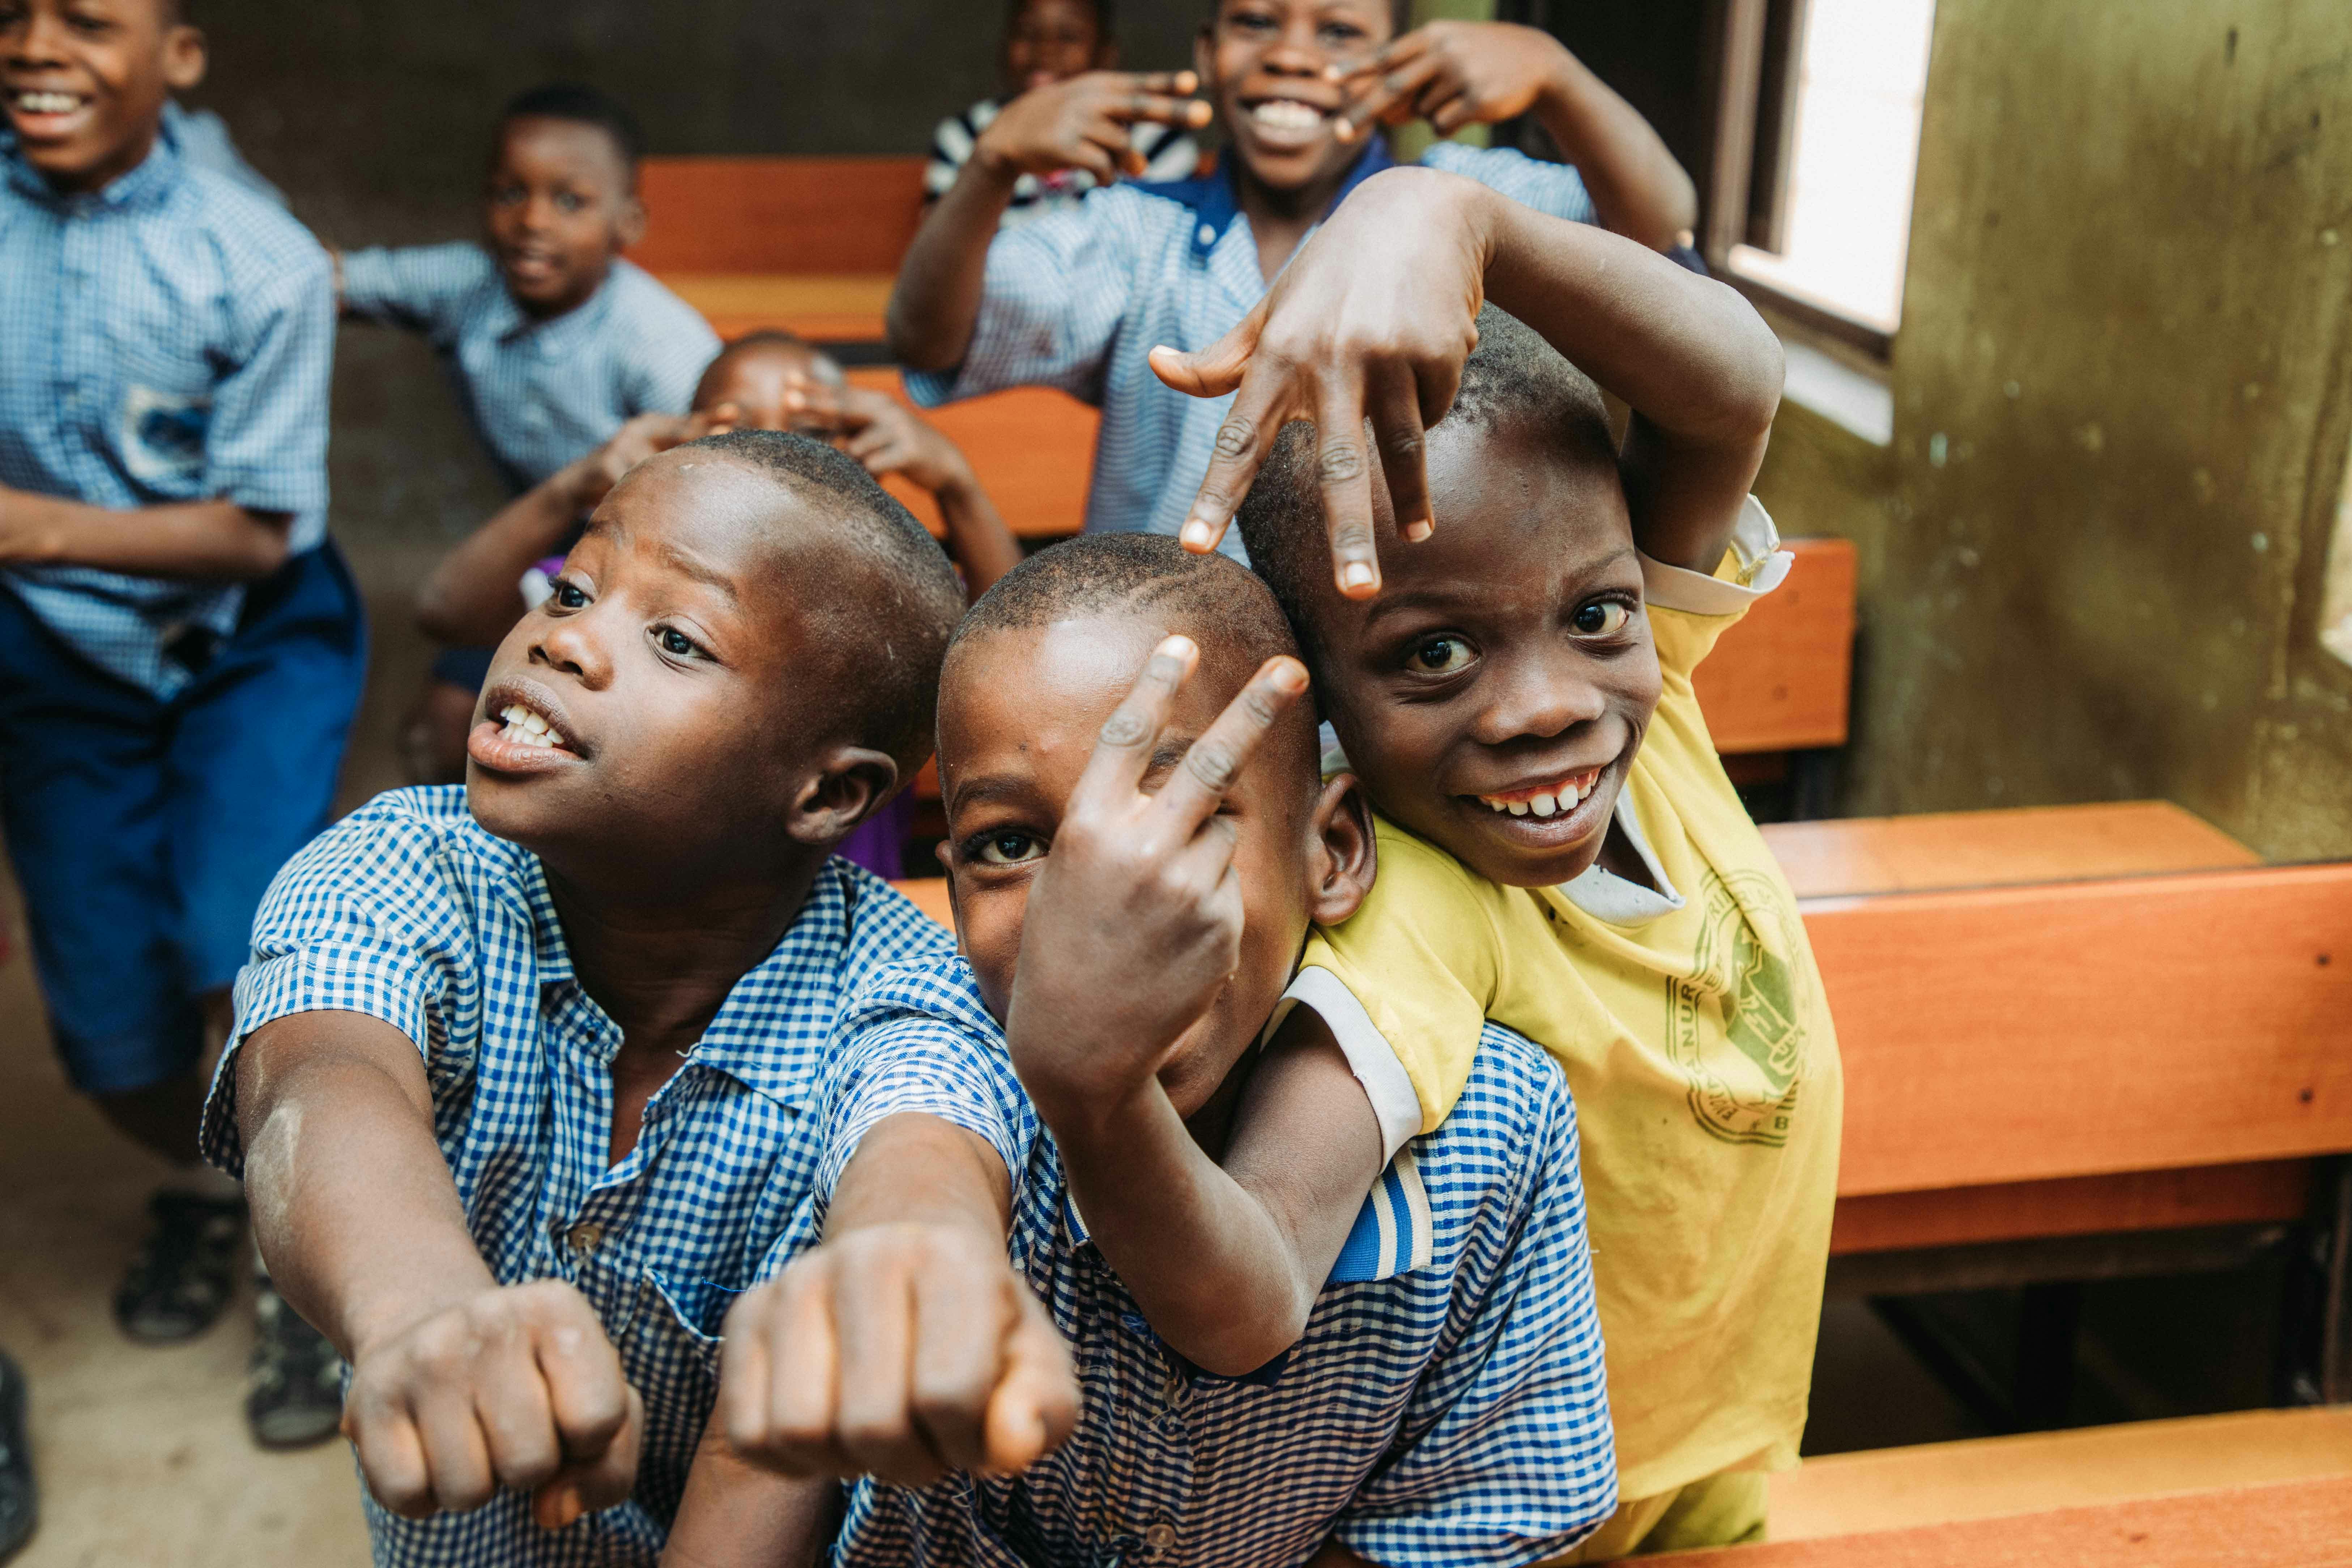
x=19 y=1504
x=185 y=1269
x=294 y=1387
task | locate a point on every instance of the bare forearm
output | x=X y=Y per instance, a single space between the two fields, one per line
x=213 y=540
x=1638 y=188
x=937 y=299
x=913 y=1169
x=737 y=1515
x=977 y=536
x=474 y=596
x=352 y=1204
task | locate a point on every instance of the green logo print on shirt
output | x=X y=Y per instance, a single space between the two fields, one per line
x=1738 y=1025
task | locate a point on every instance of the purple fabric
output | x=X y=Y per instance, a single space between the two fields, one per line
x=879 y=844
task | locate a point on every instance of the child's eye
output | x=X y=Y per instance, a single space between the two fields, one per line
x=676 y=643
x=1441 y=656
x=569 y=201
x=568 y=595
x=1009 y=847
x=1600 y=618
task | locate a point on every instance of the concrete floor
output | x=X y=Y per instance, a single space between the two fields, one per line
x=142 y=1453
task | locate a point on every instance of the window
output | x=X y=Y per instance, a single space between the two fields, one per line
x=1853 y=148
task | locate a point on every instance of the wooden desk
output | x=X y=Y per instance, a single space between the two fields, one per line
x=778 y=215
x=1781 y=680
x=1989 y=849
x=2295 y=1524
x=1992 y=1478
x=823 y=307
x=1034 y=449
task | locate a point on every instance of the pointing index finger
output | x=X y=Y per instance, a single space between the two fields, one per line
x=1224 y=750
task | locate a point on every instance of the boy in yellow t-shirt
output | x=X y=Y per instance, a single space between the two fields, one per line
x=1559 y=849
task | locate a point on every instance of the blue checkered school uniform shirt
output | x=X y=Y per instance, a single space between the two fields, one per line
x=1447 y=1406
x=167 y=339
x=408 y=912
x=538 y=393
x=1077 y=299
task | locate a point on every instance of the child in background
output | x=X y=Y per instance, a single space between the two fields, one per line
x=1560 y=849
x=523 y=1075
x=181 y=649
x=551 y=340
x=1133 y=872
x=763 y=381
x=1045 y=42
x=1077 y=299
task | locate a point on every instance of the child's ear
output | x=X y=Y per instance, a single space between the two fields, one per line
x=852 y=786
x=184 y=57
x=1343 y=861
x=629 y=227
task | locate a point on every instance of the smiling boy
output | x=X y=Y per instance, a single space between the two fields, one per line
x=522 y=1072
x=1077 y=299
x=1560 y=849
x=1139 y=840
x=181 y=649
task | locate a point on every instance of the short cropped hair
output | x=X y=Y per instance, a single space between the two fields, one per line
x=828 y=369
x=884 y=645
x=582 y=105
x=1512 y=377
x=1102 y=9
x=1212 y=599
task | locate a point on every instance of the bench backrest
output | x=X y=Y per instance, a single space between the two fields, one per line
x=778 y=215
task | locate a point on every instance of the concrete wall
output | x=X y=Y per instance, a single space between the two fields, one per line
x=375 y=119
x=2123 y=388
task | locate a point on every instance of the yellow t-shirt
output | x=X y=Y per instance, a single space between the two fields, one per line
x=1697 y=1042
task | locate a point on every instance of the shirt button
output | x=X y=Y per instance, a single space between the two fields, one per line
x=587 y=1237
x=1159 y=1537
x=1208 y=236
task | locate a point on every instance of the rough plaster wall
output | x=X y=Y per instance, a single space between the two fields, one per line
x=373 y=117
x=2092 y=555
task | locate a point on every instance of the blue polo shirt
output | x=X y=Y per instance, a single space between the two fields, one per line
x=539 y=392
x=1447 y=1405
x=1078 y=300
x=168 y=338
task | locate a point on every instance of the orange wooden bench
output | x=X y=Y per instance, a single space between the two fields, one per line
x=1780 y=680
x=1031 y=447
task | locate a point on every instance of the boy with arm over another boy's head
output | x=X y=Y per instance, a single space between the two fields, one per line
x=1077 y=299
x=181 y=649
x=1503 y=611
x=1139 y=842
x=524 y=1076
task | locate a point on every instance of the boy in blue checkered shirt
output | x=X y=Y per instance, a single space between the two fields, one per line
x=524 y=1076
x=180 y=646
x=1080 y=299
x=552 y=341
x=1133 y=875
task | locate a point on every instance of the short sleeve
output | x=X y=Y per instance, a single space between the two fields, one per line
x=1506 y=1455
x=1700 y=608
x=672 y=346
x=1554 y=188
x=363 y=920
x=423 y=288
x=1055 y=292
x=950 y=147
x=894 y=1061
x=265 y=447
x=1423 y=962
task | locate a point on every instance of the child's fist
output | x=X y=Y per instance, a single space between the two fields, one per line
x=1451 y=74
x=1081 y=123
x=516 y=1386
x=900 y=1351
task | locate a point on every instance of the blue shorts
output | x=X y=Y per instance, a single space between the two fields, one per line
x=144 y=832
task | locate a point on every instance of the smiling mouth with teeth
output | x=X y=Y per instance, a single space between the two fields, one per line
x=1288 y=115
x=34 y=101
x=526 y=728
x=1549 y=800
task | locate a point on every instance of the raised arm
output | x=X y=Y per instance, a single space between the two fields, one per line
x=1080 y=124
x=1455 y=74
x=459 y=1386
x=1377 y=315
x=1226 y=1261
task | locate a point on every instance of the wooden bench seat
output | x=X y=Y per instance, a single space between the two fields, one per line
x=1991 y=1478
x=1782 y=679
x=1942 y=850
x=771 y=215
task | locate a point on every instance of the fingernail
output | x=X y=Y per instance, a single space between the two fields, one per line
x=1291 y=676
x=1355 y=574
x=1196 y=535
x=1419 y=529
x=1178 y=648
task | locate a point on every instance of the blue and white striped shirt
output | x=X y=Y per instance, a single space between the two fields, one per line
x=1078 y=300
x=1447 y=1406
x=409 y=912
x=539 y=392
x=167 y=339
